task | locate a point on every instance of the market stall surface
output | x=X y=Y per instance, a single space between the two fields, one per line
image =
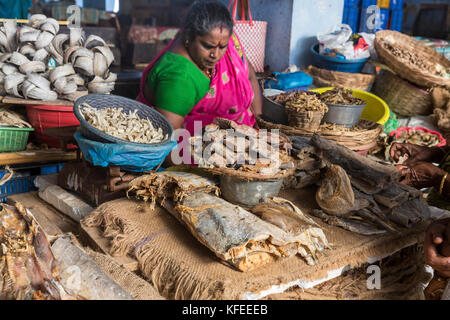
x=181 y=268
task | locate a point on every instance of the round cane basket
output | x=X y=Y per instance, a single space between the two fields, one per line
x=403 y=97
x=329 y=78
x=361 y=137
x=405 y=69
x=102 y=101
x=305 y=120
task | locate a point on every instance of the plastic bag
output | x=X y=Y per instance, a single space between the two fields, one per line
x=287 y=81
x=335 y=39
x=127 y=156
x=342 y=44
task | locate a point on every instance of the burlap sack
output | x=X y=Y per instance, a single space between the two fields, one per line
x=137 y=287
x=181 y=268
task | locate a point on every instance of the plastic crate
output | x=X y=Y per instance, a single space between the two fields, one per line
x=351 y=3
x=13 y=139
x=16 y=186
x=367 y=22
x=396 y=20
x=351 y=17
x=384 y=4
x=396 y=5
x=368 y=3
x=56 y=168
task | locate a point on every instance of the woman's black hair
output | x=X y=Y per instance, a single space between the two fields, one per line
x=205 y=16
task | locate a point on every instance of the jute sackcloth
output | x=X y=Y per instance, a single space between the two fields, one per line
x=137 y=287
x=403 y=277
x=181 y=268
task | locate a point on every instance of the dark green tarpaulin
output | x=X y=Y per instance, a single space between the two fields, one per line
x=15 y=9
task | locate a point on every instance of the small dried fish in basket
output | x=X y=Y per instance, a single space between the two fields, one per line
x=130 y=127
x=340 y=96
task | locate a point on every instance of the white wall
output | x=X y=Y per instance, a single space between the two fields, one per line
x=310 y=17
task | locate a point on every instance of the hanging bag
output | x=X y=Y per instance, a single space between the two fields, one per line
x=251 y=33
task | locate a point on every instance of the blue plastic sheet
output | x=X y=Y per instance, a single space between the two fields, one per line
x=286 y=81
x=128 y=157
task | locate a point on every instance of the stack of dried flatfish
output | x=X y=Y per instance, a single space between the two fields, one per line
x=78 y=67
x=9 y=118
x=27 y=264
x=307 y=164
x=355 y=186
x=340 y=96
x=115 y=122
x=242 y=149
x=244 y=240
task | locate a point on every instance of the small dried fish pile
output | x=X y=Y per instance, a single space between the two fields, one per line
x=27 y=265
x=10 y=118
x=363 y=196
x=340 y=96
x=303 y=101
x=441 y=103
x=418 y=137
x=130 y=127
x=80 y=66
x=410 y=57
x=227 y=145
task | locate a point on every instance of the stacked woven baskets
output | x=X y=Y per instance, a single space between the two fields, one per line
x=328 y=78
x=412 y=69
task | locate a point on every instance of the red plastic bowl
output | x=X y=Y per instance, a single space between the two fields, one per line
x=401 y=131
x=42 y=117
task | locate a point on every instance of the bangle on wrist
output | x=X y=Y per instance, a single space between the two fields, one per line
x=443 y=183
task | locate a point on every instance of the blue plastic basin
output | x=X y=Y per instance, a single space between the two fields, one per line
x=335 y=64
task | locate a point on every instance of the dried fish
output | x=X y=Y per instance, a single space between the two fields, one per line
x=348 y=224
x=27 y=265
x=229 y=145
x=340 y=96
x=412 y=58
x=119 y=124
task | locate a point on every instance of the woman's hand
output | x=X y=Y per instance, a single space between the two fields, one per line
x=422 y=175
x=416 y=153
x=434 y=237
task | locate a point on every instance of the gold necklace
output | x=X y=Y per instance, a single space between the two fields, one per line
x=209 y=74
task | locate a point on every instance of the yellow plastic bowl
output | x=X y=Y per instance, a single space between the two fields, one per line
x=376 y=109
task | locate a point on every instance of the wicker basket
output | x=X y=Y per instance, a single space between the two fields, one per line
x=403 y=98
x=365 y=137
x=328 y=78
x=305 y=120
x=405 y=70
x=102 y=101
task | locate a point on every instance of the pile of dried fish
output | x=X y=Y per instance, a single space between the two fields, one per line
x=81 y=67
x=418 y=137
x=364 y=196
x=27 y=264
x=10 y=118
x=119 y=124
x=410 y=57
x=304 y=101
x=340 y=96
x=246 y=240
x=242 y=148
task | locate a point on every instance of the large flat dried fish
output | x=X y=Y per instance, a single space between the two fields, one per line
x=235 y=235
x=367 y=175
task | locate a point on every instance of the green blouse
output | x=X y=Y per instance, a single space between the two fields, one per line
x=177 y=84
